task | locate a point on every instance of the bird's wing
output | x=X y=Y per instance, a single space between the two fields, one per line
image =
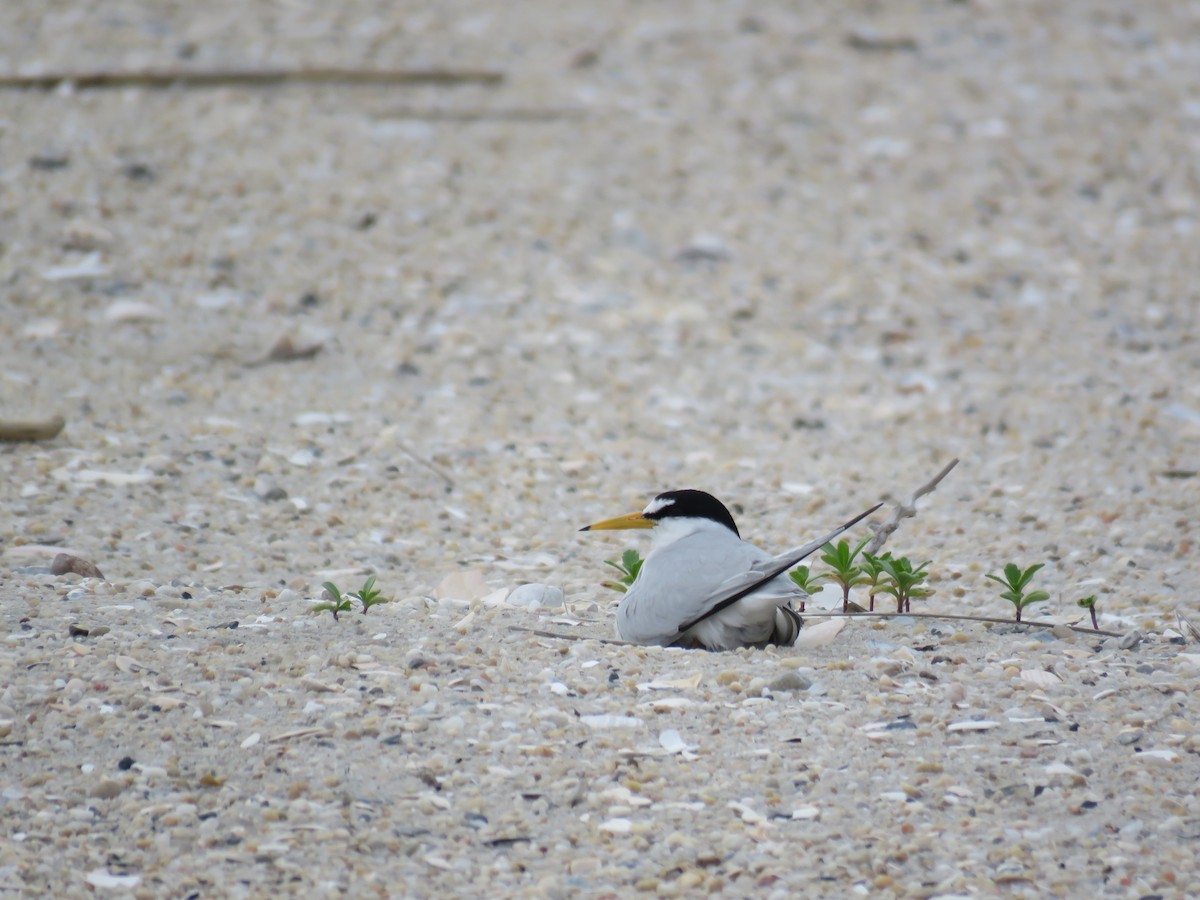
x=762 y=571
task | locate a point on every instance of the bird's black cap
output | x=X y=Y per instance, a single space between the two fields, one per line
x=690 y=503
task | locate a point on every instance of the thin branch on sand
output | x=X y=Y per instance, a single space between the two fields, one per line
x=1082 y=629
x=525 y=114
x=428 y=464
x=906 y=509
x=160 y=79
x=987 y=620
x=562 y=636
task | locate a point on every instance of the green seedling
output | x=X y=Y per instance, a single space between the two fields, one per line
x=629 y=566
x=805 y=581
x=845 y=573
x=875 y=574
x=368 y=595
x=1089 y=603
x=336 y=604
x=905 y=584
x=1014 y=581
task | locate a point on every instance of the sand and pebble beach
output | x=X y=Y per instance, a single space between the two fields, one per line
x=797 y=255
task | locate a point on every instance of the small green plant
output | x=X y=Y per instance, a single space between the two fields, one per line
x=845 y=573
x=875 y=574
x=368 y=595
x=905 y=584
x=805 y=581
x=1089 y=603
x=629 y=566
x=1014 y=581
x=336 y=604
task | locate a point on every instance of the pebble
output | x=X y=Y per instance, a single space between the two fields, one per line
x=86 y=236
x=1130 y=640
x=65 y=563
x=416 y=658
x=90 y=266
x=120 y=312
x=107 y=788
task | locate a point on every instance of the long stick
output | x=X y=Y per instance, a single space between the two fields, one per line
x=200 y=78
x=838 y=615
x=998 y=621
x=427 y=463
x=906 y=509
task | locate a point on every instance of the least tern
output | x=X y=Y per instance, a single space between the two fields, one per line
x=701 y=585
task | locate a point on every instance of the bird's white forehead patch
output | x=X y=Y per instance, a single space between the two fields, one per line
x=658 y=504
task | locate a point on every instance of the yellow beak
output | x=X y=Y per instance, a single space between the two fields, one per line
x=632 y=520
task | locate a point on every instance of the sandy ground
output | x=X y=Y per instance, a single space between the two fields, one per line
x=799 y=255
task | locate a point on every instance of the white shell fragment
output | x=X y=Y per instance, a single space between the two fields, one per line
x=536 y=596
x=1161 y=755
x=671 y=684
x=747 y=813
x=121 y=311
x=495 y=598
x=819 y=635
x=90 y=266
x=671 y=741
x=1040 y=677
x=662 y=704
x=105 y=880
x=467 y=585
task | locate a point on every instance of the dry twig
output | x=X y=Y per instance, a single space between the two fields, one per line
x=470 y=115
x=159 y=79
x=1186 y=628
x=562 y=636
x=1082 y=629
x=906 y=509
x=989 y=620
x=428 y=464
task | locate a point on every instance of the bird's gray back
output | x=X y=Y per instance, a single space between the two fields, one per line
x=678 y=582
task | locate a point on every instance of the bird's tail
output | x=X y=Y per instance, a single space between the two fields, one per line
x=787 y=626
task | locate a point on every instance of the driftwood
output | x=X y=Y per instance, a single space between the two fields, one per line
x=468 y=115
x=109 y=79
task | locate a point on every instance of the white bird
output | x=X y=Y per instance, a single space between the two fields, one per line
x=701 y=585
